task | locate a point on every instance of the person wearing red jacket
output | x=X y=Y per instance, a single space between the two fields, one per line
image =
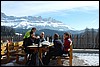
x=67 y=42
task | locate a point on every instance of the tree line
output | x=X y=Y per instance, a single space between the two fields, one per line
x=7 y=31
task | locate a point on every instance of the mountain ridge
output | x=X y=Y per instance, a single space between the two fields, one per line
x=28 y=22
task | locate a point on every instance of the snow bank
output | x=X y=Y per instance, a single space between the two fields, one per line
x=91 y=59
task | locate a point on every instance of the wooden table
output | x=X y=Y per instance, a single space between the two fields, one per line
x=39 y=49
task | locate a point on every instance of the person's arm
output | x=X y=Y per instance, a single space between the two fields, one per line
x=34 y=37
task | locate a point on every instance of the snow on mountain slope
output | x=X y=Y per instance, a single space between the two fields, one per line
x=11 y=24
x=38 y=22
x=26 y=25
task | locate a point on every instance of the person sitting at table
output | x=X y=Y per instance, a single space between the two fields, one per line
x=42 y=37
x=67 y=41
x=32 y=54
x=29 y=42
x=55 y=50
x=27 y=36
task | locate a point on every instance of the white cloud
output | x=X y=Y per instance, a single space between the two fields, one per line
x=22 y=8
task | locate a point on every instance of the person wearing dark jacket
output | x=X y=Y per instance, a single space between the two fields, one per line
x=33 y=56
x=28 y=36
x=29 y=42
x=56 y=50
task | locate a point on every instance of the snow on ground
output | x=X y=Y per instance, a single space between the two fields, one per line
x=8 y=64
x=79 y=59
x=91 y=59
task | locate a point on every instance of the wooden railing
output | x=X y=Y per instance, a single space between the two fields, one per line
x=12 y=51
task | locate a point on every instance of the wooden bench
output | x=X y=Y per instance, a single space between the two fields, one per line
x=10 y=51
x=66 y=57
x=7 y=52
x=20 y=52
x=4 y=55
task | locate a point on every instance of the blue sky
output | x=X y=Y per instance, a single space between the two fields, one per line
x=76 y=14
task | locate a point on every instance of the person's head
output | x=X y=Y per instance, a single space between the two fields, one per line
x=42 y=34
x=33 y=29
x=56 y=36
x=66 y=35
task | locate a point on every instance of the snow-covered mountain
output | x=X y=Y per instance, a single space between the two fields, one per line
x=27 y=22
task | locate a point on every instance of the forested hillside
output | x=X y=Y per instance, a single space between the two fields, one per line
x=7 y=31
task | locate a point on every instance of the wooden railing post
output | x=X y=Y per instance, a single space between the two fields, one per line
x=71 y=56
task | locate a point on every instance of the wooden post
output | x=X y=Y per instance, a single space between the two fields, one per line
x=59 y=60
x=17 y=58
x=71 y=56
